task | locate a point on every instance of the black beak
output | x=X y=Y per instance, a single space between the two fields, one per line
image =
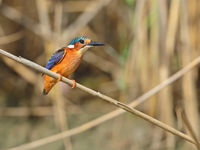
x=95 y=43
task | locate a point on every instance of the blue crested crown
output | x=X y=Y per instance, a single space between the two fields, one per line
x=77 y=39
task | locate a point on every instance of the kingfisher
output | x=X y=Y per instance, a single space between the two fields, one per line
x=65 y=61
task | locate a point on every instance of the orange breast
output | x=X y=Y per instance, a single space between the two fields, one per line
x=69 y=63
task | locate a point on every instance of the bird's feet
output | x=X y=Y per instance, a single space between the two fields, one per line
x=74 y=84
x=60 y=77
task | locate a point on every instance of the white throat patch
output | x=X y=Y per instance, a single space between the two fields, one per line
x=84 y=49
x=70 y=46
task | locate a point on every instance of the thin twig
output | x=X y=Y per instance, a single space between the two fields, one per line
x=17 y=16
x=102 y=96
x=11 y=37
x=29 y=76
x=84 y=19
x=189 y=127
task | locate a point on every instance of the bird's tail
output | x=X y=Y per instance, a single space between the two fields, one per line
x=48 y=84
x=44 y=92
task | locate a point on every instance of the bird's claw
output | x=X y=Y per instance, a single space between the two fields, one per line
x=74 y=84
x=60 y=77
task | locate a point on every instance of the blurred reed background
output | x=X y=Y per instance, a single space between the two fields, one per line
x=147 y=41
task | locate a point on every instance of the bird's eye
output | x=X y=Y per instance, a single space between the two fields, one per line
x=81 y=41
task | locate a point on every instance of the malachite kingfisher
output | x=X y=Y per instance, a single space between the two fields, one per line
x=66 y=60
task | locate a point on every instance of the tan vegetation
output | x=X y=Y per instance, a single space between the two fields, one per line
x=147 y=42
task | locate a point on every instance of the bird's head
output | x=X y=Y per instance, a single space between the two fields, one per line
x=81 y=44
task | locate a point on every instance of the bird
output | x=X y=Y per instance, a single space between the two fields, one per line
x=65 y=61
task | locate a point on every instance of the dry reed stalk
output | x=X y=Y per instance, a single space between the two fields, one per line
x=188 y=83
x=58 y=10
x=193 y=15
x=79 y=6
x=153 y=53
x=168 y=31
x=130 y=75
x=153 y=69
x=42 y=9
x=143 y=51
x=11 y=37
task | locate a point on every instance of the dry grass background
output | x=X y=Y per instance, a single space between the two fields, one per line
x=147 y=41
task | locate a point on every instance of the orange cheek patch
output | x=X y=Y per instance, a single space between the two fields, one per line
x=87 y=40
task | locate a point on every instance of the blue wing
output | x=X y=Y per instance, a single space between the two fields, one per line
x=55 y=58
